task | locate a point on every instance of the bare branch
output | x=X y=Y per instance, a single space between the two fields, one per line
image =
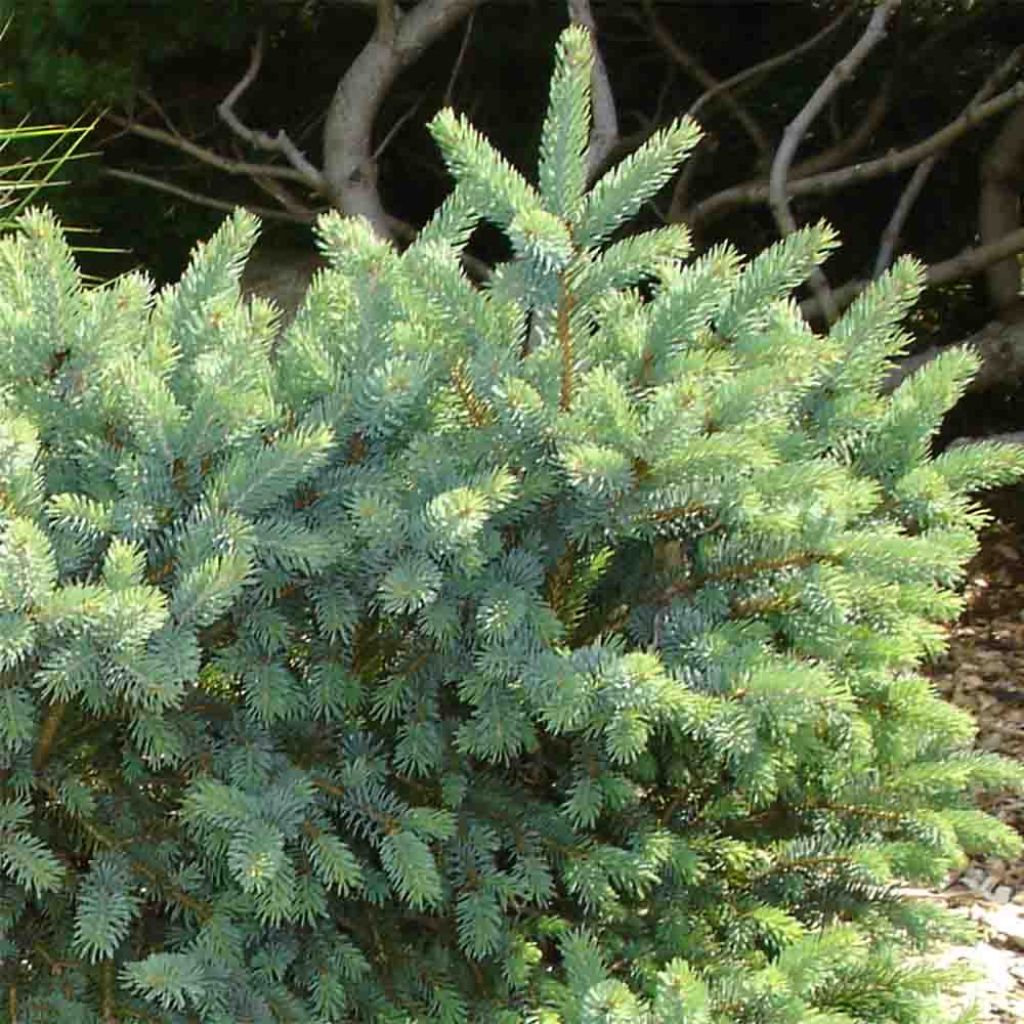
x=299 y=210
x=280 y=143
x=797 y=128
x=965 y=264
x=748 y=76
x=605 y=131
x=160 y=112
x=689 y=63
x=350 y=171
x=851 y=142
x=1014 y=437
x=891 y=235
x=450 y=88
x=197 y=197
x=395 y=128
x=205 y=155
x=755 y=192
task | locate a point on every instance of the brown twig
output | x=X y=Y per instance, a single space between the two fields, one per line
x=204 y=154
x=693 y=67
x=395 y=128
x=199 y=198
x=48 y=734
x=296 y=209
x=749 y=76
x=450 y=87
x=479 y=412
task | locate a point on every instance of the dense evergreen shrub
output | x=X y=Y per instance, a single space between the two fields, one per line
x=541 y=652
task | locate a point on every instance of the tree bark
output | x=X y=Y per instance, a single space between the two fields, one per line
x=350 y=168
x=1001 y=349
x=1002 y=178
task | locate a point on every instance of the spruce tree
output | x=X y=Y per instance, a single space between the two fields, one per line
x=540 y=652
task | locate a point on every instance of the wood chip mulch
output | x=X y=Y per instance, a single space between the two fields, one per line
x=983 y=671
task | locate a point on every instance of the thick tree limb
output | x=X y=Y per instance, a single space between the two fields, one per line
x=200 y=199
x=1014 y=437
x=778 y=197
x=999 y=345
x=1002 y=180
x=969 y=261
x=891 y=234
x=280 y=143
x=605 y=131
x=350 y=171
x=755 y=192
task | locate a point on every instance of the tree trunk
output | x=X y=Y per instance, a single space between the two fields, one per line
x=1002 y=178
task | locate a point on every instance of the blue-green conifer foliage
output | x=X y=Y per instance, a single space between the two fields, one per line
x=546 y=651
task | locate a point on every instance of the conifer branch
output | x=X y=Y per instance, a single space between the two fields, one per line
x=106 y=973
x=107 y=841
x=480 y=414
x=605 y=132
x=738 y=573
x=48 y=735
x=566 y=303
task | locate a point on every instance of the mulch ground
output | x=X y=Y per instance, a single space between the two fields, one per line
x=983 y=671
